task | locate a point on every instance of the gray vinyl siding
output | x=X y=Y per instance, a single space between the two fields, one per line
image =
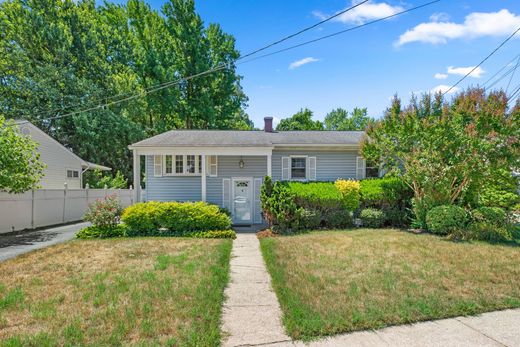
x=330 y=165
x=171 y=188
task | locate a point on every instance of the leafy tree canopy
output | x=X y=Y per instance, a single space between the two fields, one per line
x=302 y=120
x=20 y=168
x=446 y=151
x=61 y=56
x=341 y=119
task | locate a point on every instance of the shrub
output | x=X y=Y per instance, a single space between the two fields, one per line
x=338 y=219
x=485 y=231
x=397 y=217
x=174 y=218
x=321 y=196
x=310 y=219
x=215 y=234
x=500 y=190
x=350 y=192
x=104 y=213
x=445 y=219
x=492 y=215
x=94 y=232
x=372 y=218
x=387 y=191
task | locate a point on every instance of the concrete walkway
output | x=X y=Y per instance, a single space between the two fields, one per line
x=251 y=314
x=500 y=328
x=14 y=244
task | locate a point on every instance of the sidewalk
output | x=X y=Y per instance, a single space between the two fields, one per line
x=14 y=244
x=252 y=316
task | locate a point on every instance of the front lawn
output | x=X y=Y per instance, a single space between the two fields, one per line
x=153 y=291
x=339 y=281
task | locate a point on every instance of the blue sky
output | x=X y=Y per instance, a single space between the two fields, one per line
x=415 y=52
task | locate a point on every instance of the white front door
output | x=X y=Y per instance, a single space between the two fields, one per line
x=242 y=201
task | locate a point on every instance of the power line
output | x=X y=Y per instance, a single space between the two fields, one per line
x=482 y=62
x=513 y=74
x=303 y=30
x=168 y=84
x=240 y=58
x=501 y=69
x=346 y=30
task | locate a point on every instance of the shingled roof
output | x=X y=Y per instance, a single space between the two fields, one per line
x=256 y=138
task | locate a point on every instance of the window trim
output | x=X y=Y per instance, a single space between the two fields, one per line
x=306 y=178
x=184 y=165
x=72 y=177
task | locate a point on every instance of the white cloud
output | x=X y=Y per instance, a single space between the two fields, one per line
x=462 y=71
x=443 y=88
x=363 y=13
x=440 y=17
x=476 y=24
x=440 y=76
x=296 y=64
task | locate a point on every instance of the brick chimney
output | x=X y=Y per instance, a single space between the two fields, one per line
x=268 y=124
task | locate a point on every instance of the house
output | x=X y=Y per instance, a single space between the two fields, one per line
x=62 y=166
x=227 y=167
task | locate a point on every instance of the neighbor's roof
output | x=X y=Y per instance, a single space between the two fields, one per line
x=255 y=138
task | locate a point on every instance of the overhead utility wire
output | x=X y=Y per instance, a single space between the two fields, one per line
x=482 y=62
x=344 y=31
x=240 y=58
x=501 y=69
x=512 y=75
x=168 y=84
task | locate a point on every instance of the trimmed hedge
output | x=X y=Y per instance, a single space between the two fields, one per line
x=173 y=218
x=320 y=196
x=446 y=219
x=95 y=232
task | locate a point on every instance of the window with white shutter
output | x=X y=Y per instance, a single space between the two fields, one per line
x=360 y=168
x=311 y=169
x=285 y=168
x=157 y=165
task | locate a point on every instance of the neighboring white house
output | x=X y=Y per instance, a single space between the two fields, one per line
x=62 y=166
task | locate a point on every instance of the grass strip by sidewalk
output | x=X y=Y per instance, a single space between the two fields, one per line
x=139 y=291
x=340 y=281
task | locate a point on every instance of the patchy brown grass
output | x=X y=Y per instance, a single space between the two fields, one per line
x=110 y=292
x=331 y=282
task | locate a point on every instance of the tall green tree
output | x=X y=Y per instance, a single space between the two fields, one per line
x=341 y=119
x=302 y=120
x=446 y=151
x=62 y=56
x=20 y=167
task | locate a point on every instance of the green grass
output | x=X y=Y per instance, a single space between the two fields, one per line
x=341 y=281
x=137 y=292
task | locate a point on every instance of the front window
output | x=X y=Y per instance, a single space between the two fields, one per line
x=190 y=164
x=179 y=164
x=168 y=164
x=298 y=168
x=371 y=170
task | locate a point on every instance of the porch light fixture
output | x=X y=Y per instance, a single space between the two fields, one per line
x=241 y=163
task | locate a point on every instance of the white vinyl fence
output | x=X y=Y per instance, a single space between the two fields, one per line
x=46 y=207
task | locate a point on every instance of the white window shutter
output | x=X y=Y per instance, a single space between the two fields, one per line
x=311 y=168
x=285 y=168
x=157 y=165
x=226 y=193
x=257 y=205
x=213 y=172
x=360 y=168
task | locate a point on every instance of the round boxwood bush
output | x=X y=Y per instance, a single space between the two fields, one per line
x=445 y=219
x=372 y=218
